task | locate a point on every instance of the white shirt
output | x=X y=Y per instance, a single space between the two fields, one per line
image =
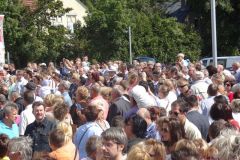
x=27 y=118
x=192 y=132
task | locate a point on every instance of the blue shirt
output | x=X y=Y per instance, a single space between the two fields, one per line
x=83 y=133
x=11 y=132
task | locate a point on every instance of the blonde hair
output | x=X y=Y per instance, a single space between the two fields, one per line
x=67 y=130
x=82 y=92
x=201 y=145
x=185 y=143
x=106 y=92
x=147 y=150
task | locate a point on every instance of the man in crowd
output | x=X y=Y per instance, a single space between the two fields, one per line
x=114 y=140
x=26 y=117
x=179 y=109
x=7 y=124
x=40 y=128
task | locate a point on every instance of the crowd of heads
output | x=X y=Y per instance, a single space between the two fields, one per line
x=114 y=110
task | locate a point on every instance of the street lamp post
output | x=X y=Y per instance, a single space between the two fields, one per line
x=214 y=32
x=130 y=45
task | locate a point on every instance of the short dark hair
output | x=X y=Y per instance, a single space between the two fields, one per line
x=117 y=121
x=221 y=111
x=57 y=138
x=139 y=125
x=115 y=134
x=37 y=103
x=3 y=145
x=183 y=105
x=216 y=127
x=91 y=112
x=29 y=97
x=192 y=100
x=212 y=90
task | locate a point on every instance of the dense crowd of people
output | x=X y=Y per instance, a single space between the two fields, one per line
x=119 y=111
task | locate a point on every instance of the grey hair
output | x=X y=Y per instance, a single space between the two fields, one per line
x=115 y=134
x=118 y=89
x=235 y=105
x=228 y=144
x=9 y=106
x=22 y=145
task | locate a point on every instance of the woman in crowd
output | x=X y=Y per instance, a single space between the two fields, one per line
x=171 y=132
x=147 y=150
x=223 y=111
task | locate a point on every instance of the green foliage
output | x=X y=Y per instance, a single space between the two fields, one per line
x=29 y=35
x=107 y=24
x=228 y=30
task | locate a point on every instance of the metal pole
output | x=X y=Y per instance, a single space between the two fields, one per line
x=130 y=44
x=214 y=32
x=8 y=58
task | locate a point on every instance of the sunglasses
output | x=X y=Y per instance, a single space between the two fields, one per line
x=173 y=113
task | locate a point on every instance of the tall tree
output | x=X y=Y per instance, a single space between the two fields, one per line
x=29 y=34
x=152 y=33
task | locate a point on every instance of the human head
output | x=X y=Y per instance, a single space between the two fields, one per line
x=221 y=111
x=192 y=100
x=82 y=93
x=185 y=143
x=38 y=111
x=163 y=91
x=147 y=150
x=3 y=100
x=95 y=90
x=172 y=131
x=113 y=142
x=117 y=121
x=28 y=97
x=10 y=112
x=91 y=112
x=60 y=110
x=186 y=154
x=135 y=126
x=212 y=90
x=157 y=112
x=179 y=108
x=235 y=66
x=235 y=105
x=117 y=92
x=183 y=85
x=20 y=148
x=63 y=86
x=228 y=144
x=92 y=145
x=3 y=145
x=216 y=127
x=56 y=139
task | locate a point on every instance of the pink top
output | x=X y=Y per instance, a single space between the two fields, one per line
x=102 y=103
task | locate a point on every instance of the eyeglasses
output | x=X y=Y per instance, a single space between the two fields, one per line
x=174 y=113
